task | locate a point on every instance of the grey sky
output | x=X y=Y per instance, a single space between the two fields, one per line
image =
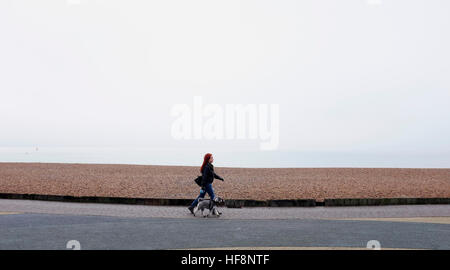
x=348 y=75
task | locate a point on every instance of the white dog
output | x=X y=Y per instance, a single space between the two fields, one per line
x=207 y=204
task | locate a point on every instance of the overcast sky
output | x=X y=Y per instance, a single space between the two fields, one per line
x=350 y=75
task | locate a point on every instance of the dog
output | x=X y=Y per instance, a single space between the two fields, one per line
x=211 y=205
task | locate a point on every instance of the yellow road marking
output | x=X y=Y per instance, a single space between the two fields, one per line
x=294 y=248
x=437 y=220
x=9 y=213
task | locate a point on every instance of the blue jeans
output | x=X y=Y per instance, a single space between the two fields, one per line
x=207 y=189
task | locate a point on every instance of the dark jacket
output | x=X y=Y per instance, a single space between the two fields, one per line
x=208 y=174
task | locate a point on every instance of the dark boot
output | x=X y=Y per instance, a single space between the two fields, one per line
x=191 y=208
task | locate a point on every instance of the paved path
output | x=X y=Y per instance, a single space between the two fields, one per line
x=50 y=225
x=121 y=210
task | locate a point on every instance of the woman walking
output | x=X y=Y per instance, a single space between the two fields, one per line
x=208 y=176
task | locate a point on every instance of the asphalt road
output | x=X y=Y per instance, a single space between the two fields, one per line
x=29 y=225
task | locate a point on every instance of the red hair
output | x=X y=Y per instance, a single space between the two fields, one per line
x=205 y=160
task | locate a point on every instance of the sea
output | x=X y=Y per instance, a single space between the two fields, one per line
x=245 y=159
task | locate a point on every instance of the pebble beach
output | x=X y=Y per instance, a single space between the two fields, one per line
x=176 y=182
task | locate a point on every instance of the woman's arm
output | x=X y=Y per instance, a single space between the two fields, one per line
x=217 y=176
